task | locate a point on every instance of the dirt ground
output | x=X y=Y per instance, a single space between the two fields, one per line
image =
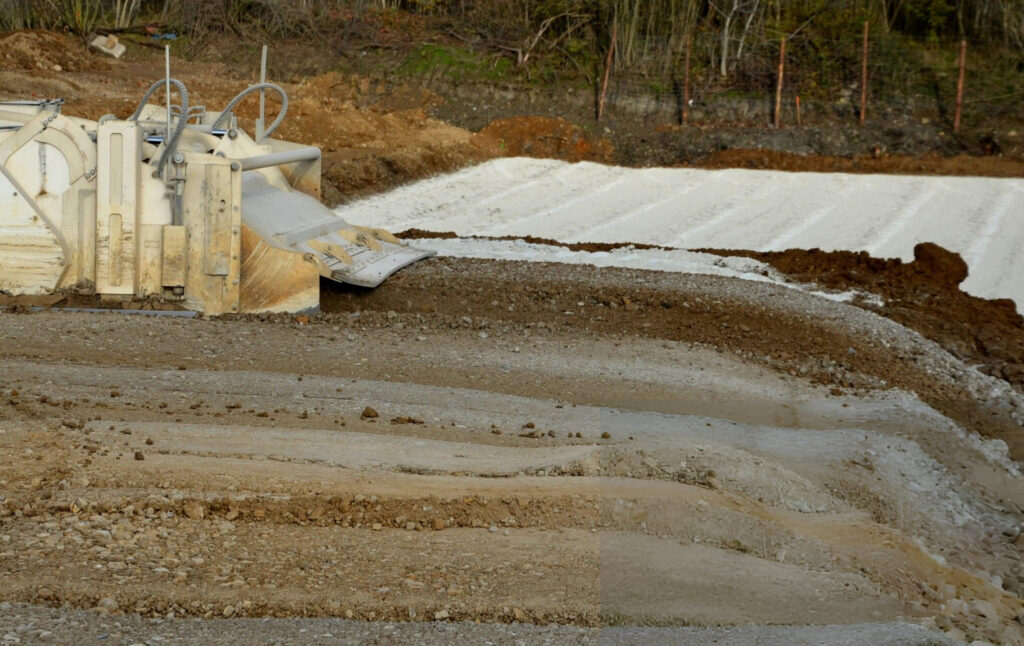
x=564 y=449
x=483 y=452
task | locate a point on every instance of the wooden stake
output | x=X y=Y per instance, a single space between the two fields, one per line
x=799 y=121
x=607 y=70
x=778 y=88
x=960 y=86
x=686 y=80
x=864 y=78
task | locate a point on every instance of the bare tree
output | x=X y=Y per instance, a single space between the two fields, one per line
x=733 y=12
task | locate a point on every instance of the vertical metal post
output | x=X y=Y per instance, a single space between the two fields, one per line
x=686 y=80
x=167 y=85
x=864 y=78
x=960 y=86
x=778 y=88
x=261 y=122
x=607 y=70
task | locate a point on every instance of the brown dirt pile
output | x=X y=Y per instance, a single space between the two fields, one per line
x=46 y=51
x=547 y=138
x=888 y=164
x=922 y=295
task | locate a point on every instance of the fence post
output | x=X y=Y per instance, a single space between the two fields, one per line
x=960 y=86
x=864 y=78
x=778 y=88
x=799 y=120
x=607 y=70
x=686 y=80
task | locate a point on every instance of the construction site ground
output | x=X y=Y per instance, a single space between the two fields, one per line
x=495 y=451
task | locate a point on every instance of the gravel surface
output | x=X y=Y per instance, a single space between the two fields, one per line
x=25 y=624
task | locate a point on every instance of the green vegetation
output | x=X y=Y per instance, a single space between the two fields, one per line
x=456 y=63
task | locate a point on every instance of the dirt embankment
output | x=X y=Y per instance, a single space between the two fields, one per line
x=649 y=304
x=960 y=165
x=922 y=295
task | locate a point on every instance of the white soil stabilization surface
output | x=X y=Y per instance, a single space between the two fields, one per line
x=885 y=215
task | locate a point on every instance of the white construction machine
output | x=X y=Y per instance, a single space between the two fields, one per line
x=177 y=205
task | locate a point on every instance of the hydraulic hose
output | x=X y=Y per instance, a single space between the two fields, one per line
x=226 y=113
x=171 y=143
x=182 y=90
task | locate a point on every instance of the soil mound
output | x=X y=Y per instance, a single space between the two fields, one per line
x=46 y=50
x=922 y=295
x=962 y=165
x=940 y=265
x=547 y=138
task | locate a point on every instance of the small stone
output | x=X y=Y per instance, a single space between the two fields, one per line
x=985 y=609
x=496 y=431
x=441 y=614
x=139 y=455
x=228 y=611
x=606 y=435
x=438 y=523
x=194 y=511
x=493 y=529
x=377 y=527
x=107 y=603
x=369 y=413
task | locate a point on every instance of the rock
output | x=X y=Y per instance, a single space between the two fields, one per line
x=369 y=413
x=377 y=527
x=957 y=607
x=195 y=511
x=139 y=455
x=441 y=614
x=108 y=45
x=228 y=611
x=519 y=615
x=107 y=603
x=606 y=435
x=984 y=609
x=438 y=523
x=232 y=514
